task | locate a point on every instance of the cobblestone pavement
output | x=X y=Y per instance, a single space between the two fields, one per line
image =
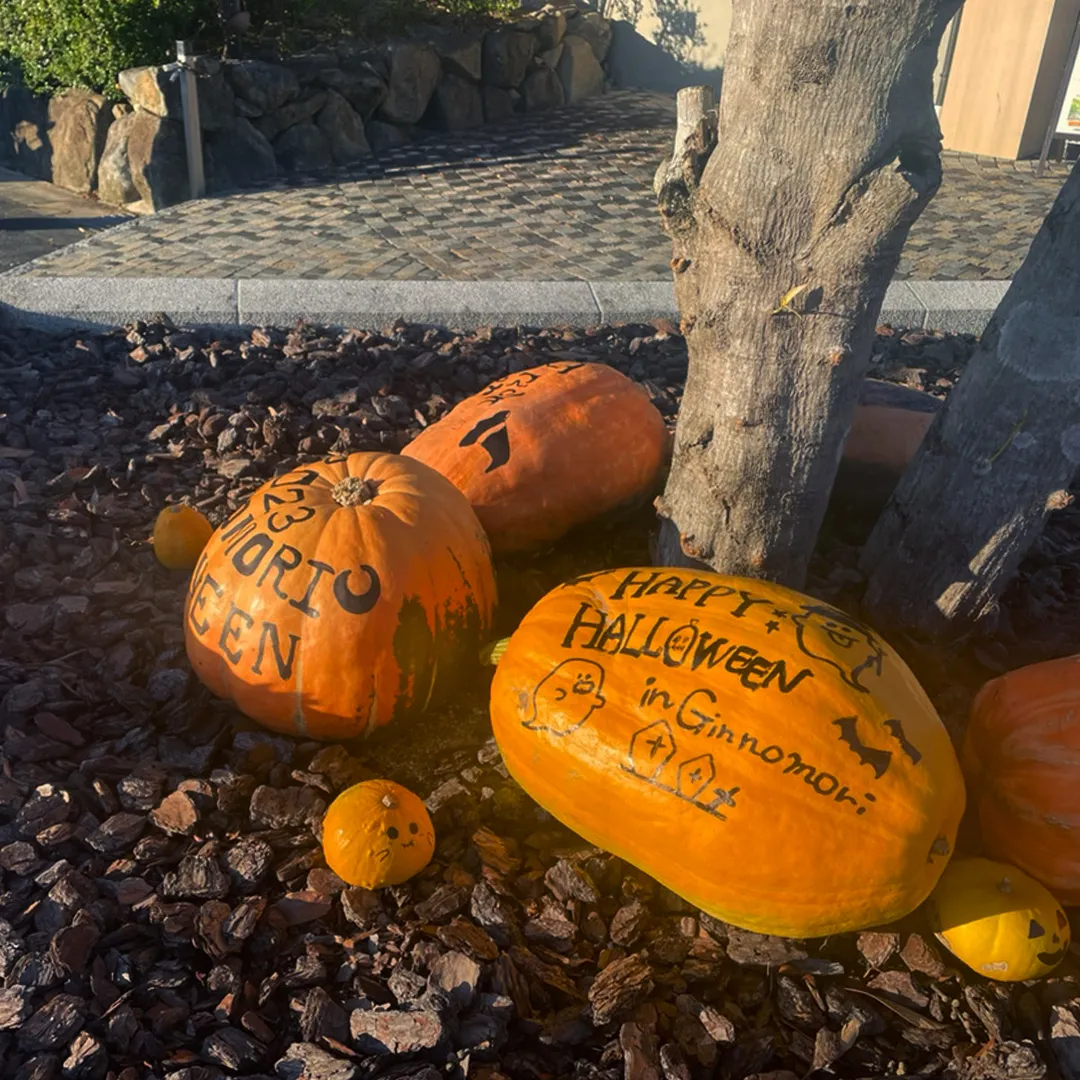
x=563 y=195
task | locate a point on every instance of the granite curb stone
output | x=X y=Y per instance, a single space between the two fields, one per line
x=957 y=306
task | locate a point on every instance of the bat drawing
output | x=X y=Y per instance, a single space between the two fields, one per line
x=496 y=439
x=878 y=760
x=896 y=730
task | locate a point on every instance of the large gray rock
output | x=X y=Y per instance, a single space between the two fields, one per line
x=157 y=90
x=302 y=147
x=414 y=74
x=157 y=158
x=595 y=29
x=551 y=57
x=24 y=122
x=78 y=125
x=579 y=70
x=456 y=104
x=461 y=54
x=115 y=183
x=384 y=136
x=542 y=89
x=550 y=28
x=296 y=112
x=361 y=86
x=309 y=67
x=343 y=129
x=506 y=54
x=262 y=86
x=238 y=157
x=498 y=103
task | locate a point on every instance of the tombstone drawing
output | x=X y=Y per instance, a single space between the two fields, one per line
x=695 y=776
x=651 y=749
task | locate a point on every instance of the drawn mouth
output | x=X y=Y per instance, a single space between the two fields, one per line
x=409 y=844
x=1051 y=958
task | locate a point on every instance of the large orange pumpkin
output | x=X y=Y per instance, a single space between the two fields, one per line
x=343 y=594
x=1021 y=757
x=762 y=754
x=546 y=449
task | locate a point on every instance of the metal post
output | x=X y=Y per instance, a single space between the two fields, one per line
x=189 y=100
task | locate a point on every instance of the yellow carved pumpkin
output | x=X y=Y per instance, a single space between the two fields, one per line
x=997 y=920
x=762 y=754
x=377 y=833
x=180 y=534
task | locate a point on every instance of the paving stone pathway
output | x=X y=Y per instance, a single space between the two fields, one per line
x=564 y=195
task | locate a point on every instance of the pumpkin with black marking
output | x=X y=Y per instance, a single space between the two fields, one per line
x=343 y=594
x=761 y=753
x=548 y=448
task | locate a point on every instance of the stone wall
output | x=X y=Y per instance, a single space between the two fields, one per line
x=261 y=119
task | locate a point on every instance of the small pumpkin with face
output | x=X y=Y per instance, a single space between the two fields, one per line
x=377 y=833
x=997 y=920
x=180 y=534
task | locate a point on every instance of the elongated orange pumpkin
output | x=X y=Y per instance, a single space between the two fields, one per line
x=343 y=594
x=761 y=753
x=546 y=449
x=1021 y=758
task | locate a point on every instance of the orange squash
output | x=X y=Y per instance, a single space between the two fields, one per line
x=1021 y=757
x=762 y=754
x=545 y=449
x=180 y=534
x=343 y=594
x=377 y=833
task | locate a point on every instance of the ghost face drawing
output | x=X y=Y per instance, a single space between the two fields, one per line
x=838 y=640
x=567 y=697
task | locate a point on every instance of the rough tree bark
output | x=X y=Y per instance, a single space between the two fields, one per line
x=828 y=150
x=999 y=456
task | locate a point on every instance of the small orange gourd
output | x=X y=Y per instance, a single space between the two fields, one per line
x=762 y=754
x=1021 y=757
x=180 y=534
x=377 y=833
x=343 y=594
x=548 y=448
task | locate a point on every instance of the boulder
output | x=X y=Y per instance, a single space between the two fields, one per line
x=498 y=103
x=157 y=90
x=551 y=57
x=579 y=70
x=303 y=147
x=78 y=125
x=296 y=112
x=550 y=28
x=362 y=87
x=461 y=54
x=343 y=129
x=383 y=136
x=506 y=56
x=414 y=74
x=352 y=56
x=595 y=29
x=542 y=89
x=238 y=157
x=157 y=158
x=24 y=125
x=456 y=104
x=309 y=67
x=261 y=85
x=115 y=183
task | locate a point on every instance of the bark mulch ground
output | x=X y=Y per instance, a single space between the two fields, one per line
x=165 y=911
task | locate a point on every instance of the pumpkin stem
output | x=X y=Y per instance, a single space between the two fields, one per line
x=354 y=491
x=389 y=802
x=492 y=653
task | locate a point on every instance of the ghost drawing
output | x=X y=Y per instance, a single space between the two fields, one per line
x=567 y=697
x=840 y=641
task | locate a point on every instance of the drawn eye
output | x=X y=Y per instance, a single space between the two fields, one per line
x=1035 y=930
x=413 y=828
x=392 y=833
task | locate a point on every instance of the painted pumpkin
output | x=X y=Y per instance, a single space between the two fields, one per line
x=546 y=449
x=997 y=920
x=1021 y=758
x=180 y=534
x=343 y=594
x=377 y=833
x=762 y=754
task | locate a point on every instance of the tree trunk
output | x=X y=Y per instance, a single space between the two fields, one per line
x=999 y=456
x=786 y=231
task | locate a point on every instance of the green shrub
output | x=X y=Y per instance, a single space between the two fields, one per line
x=55 y=44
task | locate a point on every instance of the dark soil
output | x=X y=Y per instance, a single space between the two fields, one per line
x=165 y=910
